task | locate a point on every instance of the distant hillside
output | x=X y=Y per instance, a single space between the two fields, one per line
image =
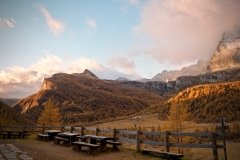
x=9 y=116
x=84 y=98
x=172 y=75
x=8 y=101
x=171 y=87
x=206 y=103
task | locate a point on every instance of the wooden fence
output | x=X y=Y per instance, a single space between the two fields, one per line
x=139 y=137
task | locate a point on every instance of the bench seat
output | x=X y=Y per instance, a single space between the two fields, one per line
x=114 y=144
x=91 y=147
x=43 y=136
x=58 y=140
x=165 y=154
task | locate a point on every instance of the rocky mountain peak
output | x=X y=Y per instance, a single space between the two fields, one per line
x=227 y=54
x=89 y=73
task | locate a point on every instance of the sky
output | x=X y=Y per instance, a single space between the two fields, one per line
x=113 y=38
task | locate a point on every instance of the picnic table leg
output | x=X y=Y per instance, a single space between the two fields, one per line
x=103 y=145
x=93 y=141
x=9 y=135
x=115 y=148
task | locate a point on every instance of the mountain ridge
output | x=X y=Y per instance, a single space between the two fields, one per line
x=83 y=98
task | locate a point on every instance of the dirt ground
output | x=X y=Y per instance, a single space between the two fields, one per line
x=40 y=150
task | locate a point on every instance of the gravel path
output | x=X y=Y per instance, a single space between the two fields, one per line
x=11 y=152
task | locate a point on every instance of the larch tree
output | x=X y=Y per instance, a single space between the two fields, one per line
x=177 y=115
x=50 y=115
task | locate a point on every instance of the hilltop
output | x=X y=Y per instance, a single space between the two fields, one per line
x=207 y=103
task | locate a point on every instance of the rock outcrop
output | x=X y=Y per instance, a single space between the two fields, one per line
x=227 y=54
x=165 y=88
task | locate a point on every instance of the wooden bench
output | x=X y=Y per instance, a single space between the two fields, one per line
x=15 y=135
x=43 y=137
x=25 y=134
x=91 y=147
x=168 y=155
x=58 y=140
x=114 y=144
x=4 y=135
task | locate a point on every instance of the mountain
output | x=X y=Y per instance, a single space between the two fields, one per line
x=227 y=54
x=8 y=101
x=208 y=102
x=84 y=98
x=172 y=75
x=8 y=116
x=170 y=87
x=122 y=79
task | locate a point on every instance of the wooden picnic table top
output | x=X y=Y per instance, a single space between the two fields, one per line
x=101 y=138
x=68 y=134
x=52 y=131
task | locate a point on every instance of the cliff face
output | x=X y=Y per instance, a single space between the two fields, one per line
x=227 y=54
x=47 y=85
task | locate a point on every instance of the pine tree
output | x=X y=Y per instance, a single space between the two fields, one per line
x=50 y=115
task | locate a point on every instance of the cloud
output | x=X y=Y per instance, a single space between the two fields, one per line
x=7 y=23
x=123 y=64
x=180 y=31
x=55 y=26
x=18 y=82
x=91 y=23
x=133 y=2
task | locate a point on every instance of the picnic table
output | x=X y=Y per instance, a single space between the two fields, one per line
x=93 y=139
x=52 y=133
x=11 y=133
x=68 y=135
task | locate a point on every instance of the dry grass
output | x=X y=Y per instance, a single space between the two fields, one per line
x=151 y=120
x=40 y=150
x=148 y=121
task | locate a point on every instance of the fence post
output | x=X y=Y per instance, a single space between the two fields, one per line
x=62 y=128
x=97 y=131
x=138 y=141
x=82 y=130
x=43 y=128
x=167 y=141
x=71 y=130
x=115 y=134
x=223 y=138
x=214 y=146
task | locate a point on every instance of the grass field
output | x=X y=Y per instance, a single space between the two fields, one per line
x=151 y=120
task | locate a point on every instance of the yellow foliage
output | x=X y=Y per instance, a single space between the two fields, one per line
x=50 y=115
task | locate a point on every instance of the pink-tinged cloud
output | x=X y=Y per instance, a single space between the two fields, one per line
x=91 y=23
x=123 y=64
x=7 y=22
x=183 y=31
x=55 y=26
x=134 y=2
x=18 y=82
